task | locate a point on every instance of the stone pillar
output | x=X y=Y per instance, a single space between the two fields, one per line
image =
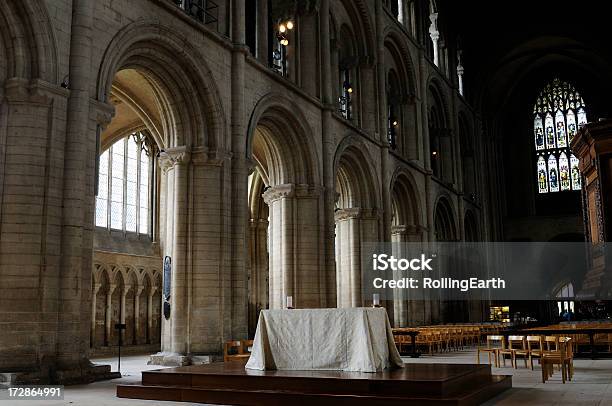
x=122 y=317
x=96 y=289
x=150 y=314
x=262 y=32
x=434 y=34
x=348 y=268
x=296 y=263
x=108 y=328
x=175 y=164
x=137 y=293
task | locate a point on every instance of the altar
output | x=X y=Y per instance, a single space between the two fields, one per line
x=352 y=340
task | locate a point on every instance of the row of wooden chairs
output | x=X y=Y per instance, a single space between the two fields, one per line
x=236 y=350
x=549 y=350
x=442 y=338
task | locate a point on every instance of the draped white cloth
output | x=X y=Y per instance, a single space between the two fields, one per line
x=356 y=339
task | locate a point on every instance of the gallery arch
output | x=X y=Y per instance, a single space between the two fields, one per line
x=440 y=135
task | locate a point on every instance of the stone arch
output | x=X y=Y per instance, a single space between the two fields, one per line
x=177 y=72
x=437 y=97
x=284 y=140
x=406 y=205
x=354 y=171
x=359 y=14
x=28 y=41
x=396 y=45
x=356 y=217
x=445 y=224
x=440 y=133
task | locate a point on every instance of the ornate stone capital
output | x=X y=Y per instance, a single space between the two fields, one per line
x=347 y=214
x=173 y=156
x=278 y=192
x=102 y=112
x=410 y=229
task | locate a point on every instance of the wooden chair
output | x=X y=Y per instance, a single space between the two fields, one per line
x=535 y=346
x=494 y=344
x=517 y=346
x=247 y=346
x=558 y=351
x=233 y=351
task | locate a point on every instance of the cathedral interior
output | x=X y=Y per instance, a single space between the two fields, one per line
x=256 y=147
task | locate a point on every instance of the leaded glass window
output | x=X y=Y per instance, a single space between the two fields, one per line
x=558 y=113
x=125 y=189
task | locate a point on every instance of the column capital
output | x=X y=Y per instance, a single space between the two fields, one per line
x=348 y=213
x=170 y=157
x=277 y=192
x=409 y=229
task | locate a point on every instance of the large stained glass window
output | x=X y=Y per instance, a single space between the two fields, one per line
x=558 y=113
x=124 y=187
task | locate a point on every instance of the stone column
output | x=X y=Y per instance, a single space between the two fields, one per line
x=150 y=295
x=109 y=315
x=137 y=293
x=296 y=263
x=96 y=289
x=175 y=163
x=124 y=293
x=348 y=266
x=434 y=34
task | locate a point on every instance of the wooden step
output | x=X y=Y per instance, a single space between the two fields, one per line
x=495 y=385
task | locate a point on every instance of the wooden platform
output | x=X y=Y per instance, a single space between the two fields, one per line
x=230 y=384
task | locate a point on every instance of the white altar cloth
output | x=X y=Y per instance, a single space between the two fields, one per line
x=356 y=339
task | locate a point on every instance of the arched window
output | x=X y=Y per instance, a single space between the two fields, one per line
x=558 y=113
x=124 y=185
x=565 y=298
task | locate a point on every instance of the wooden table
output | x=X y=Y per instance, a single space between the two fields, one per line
x=412 y=333
x=594 y=354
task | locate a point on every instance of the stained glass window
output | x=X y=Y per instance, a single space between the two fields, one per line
x=124 y=190
x=558 y=113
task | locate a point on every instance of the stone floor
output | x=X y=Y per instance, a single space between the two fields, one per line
x=592 y=385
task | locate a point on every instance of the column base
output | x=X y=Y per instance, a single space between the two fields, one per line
x=180 y=360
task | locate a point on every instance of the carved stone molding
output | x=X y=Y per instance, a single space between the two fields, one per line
x=20 y=90
x=174 y=156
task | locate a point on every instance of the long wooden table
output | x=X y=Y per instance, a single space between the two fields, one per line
x=590 y=331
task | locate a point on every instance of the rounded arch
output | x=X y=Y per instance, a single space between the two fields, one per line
x=363 y=28
x=355 y=179
x=406 y=207
x=445 y=225
x=436 y=99
x=182 y=82
x=28 y=41
x=396 y=47
x=284 y=141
